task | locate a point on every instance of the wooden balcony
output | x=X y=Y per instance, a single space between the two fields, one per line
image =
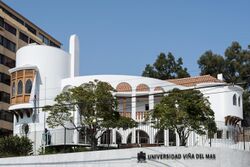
x=141 y=115
x=126 y=114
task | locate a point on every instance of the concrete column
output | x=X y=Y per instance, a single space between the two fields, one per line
x=99 y=140
x=151 y=102
x=74 y=50
x=151 y=133
x=113 y=136
x=133 y=101
x=177 y=139
x=133 y=140
x=76 y=116
x=124 y=136
x=166 y=137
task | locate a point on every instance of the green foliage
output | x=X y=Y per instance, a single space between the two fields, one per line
x=184 y=111
x=96 y=106
x=61 y=149
x=166 y=68
x=235 y=66
x=211 y=63
x=11 y=146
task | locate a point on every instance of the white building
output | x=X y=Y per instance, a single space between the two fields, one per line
x=42 y=72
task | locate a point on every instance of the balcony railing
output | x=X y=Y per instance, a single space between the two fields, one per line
x=141 y=115
x=126 y=114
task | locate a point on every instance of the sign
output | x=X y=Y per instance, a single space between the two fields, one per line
x=141 y=157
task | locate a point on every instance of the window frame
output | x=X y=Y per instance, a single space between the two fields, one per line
x=28 y=91
x=20 y=87
x=234 y=100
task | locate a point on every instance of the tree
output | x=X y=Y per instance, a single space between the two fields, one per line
x=184 y=111
x=235 y=66
x=166 y=68
x=211 y=63
x=96 y=106
x=11 y=146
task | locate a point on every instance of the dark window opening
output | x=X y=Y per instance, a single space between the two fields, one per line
x=7 y=44
x=53 y=44
x=4 y=97
x=31 y=29
x=9 y=28
x=227 y=134
x=6 y=116
x=4 y=78
x=23 y=37
x=32 y=41
x=28 y=86
x=219 y=134
x=44 y=39
x=239 y=101
x=12 y=15
x=234 y=100
x=1 y=22
x=20 y=87
x=4 y=60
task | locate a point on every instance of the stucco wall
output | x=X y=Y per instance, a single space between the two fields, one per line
x=220 y=157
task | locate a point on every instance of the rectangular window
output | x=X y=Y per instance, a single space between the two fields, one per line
x=1 y=22
x=7 y=44
x=6 y=116
x=12 y=15
x=219 y=134
x=44 y=39
x=4 y=60
x=31 y=29
x=146 y=107
x=23 y=37
x=4 y=78
x=227 y=134
x=124 y=104
x=53 y=44
x=4 y=97
x=32 y=41
x=9 y=28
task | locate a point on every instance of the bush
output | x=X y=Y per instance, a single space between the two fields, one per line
x=11 y=146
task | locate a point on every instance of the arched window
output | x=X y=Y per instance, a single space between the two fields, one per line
x=20 y=87
x=13 y=92
x=234 y=100
x=28 y=86
x=239 y=101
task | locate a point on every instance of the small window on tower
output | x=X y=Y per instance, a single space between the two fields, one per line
x=28 y=86
x=20 y=87
x=234 y=100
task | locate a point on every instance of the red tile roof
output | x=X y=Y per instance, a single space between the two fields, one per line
x=193 y=81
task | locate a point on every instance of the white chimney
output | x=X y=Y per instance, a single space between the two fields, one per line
x=220 y=77
x=74 y=51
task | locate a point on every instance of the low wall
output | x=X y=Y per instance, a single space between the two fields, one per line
x=155 y=156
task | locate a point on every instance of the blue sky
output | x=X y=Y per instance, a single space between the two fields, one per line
x=121 y=37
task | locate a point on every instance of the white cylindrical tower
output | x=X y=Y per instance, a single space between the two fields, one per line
x=35 y=81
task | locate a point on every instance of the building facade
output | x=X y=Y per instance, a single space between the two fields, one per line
x=42 y=72
x=15 y=32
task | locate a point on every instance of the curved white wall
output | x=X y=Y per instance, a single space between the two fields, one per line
x=114 y=80
x=53 y=65
x=221 y=101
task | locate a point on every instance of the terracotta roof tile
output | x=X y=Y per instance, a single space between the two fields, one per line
x=193 y=81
